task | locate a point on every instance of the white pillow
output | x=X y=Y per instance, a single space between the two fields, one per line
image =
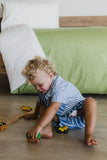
x=35 y=14
x=18 y=44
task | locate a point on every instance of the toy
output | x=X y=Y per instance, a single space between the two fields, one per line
x=26 y=108
x=30 y=138
x=2 y=125
x=63 y=129
x=16 y=118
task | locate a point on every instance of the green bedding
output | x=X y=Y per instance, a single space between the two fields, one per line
x=80 y=56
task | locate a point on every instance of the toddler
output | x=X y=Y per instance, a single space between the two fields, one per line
x=57 y=101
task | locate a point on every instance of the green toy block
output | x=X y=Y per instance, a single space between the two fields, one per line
x=30 y=138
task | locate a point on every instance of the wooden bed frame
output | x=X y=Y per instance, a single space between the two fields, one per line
x=81 y=21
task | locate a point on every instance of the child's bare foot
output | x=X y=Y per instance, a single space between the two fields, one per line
x=46 y=133
x=89 y=140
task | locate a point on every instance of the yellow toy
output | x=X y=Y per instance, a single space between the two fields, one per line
x=63 y=129
x=26 y=108
x=2 y=125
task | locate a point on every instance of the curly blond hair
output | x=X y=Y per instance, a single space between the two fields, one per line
x=38 y=63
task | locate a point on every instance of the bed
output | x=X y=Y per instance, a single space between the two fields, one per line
x=79 y=51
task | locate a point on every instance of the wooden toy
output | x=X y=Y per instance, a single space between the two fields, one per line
x=16 y=118
x=30 y=138
x=4 y=124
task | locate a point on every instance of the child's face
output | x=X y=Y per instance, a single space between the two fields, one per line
x=42 y=81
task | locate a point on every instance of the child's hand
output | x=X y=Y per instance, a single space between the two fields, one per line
x=30 y=116
x=34 y=132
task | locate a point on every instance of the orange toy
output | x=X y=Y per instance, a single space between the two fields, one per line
x=2 y=125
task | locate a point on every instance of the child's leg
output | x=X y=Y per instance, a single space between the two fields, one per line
x=47 y=130
x=90 y=114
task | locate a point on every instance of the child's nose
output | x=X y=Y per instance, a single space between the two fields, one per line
x=37 y=87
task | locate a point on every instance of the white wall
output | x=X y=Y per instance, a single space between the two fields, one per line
x=78 y=7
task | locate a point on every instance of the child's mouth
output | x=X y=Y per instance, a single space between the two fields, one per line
x=43 y=91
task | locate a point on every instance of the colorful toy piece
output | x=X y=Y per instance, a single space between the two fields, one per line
x=63 y=129
x=2 y=125
x=30 y=138
x=26 y=108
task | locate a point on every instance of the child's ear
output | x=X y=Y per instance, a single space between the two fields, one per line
x=51 y=75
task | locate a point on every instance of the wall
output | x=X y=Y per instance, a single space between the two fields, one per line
x=78 y=7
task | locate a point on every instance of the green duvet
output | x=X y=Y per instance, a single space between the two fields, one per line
x=80 y=56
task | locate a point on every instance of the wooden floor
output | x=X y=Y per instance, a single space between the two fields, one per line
x=13 y=143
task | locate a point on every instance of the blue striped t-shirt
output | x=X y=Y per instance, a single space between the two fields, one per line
x=63 y=92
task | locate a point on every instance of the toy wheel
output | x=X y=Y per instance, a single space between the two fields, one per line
x=59 y=131
x=37 y=140
x=29 y=140
x=66 y=131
